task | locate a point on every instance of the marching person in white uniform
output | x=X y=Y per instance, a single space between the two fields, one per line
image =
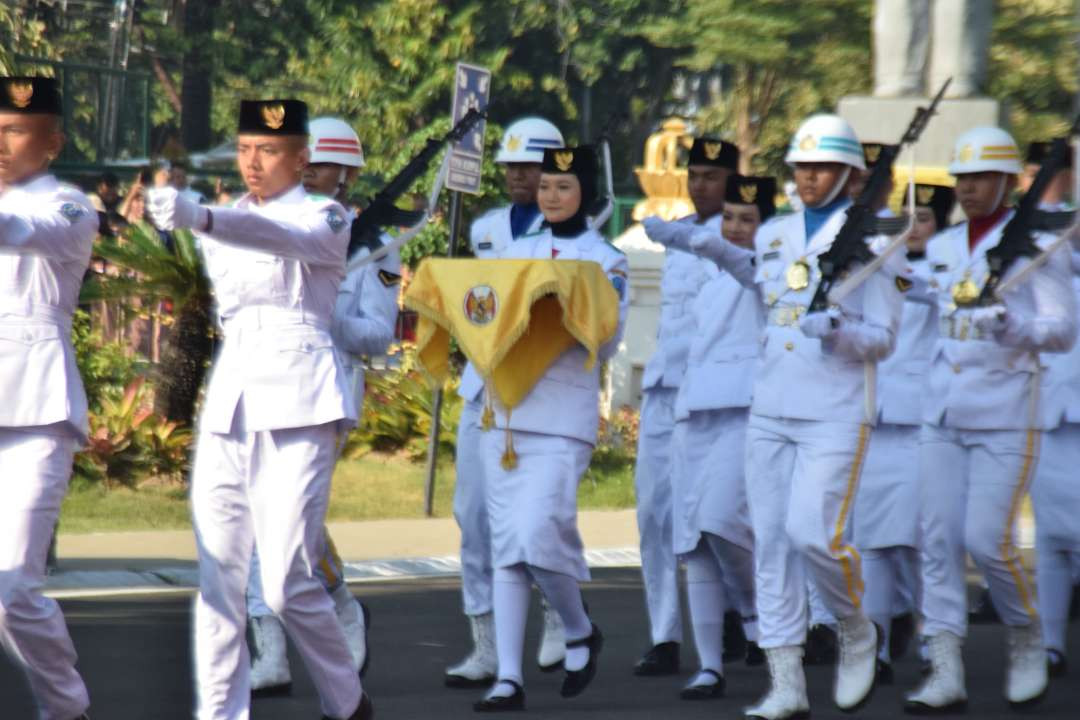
x=365 y=316
x=888 y=498
x=810 y=420
x=277 y=401
x=520 y=153
x=46 y=233
x=532 y=508
x=711 y=519
x=710 y=163
x=980 y=436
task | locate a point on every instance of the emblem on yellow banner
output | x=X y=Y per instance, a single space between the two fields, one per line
x=798 y=275
x=273 y=116
x=481 y=304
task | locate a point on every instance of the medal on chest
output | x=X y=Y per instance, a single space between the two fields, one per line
x=797 y=275
x=965 y=292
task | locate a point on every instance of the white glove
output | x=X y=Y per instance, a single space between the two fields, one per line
x=669 y=234
x=704 y=237
x=821 y=324
x=990 y=320
x=171 y=211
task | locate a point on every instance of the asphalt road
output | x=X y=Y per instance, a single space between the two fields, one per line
x=135 y=656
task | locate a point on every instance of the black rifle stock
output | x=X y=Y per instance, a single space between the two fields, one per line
x=382 y=212
x=849 y=247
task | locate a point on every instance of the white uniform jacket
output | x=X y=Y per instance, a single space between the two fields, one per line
x=365 y=316
x=565 y=401
x=903 y=375
x=992 y=383
x=726 y=331
x=46 y=233
x=683 y=276
x=1061 y=378
x=805 y=378
x=489 y=237
x=276 y=269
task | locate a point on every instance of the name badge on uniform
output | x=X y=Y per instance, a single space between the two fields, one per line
x=798 y=275
x=484 y=246
x=775 y=254
x=940 y=267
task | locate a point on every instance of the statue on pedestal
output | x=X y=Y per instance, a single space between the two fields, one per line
x=920 y=43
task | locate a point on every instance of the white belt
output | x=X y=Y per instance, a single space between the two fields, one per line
x=259 y=317
x=16 y=312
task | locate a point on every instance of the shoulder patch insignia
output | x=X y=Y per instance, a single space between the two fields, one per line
x=903 y=284
x=72 y=211
x=335 y=221
x=619 y=282
x=388 y=278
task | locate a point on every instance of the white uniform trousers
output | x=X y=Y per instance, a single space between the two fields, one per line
x=34 y=472
x=801 y=478
x=330 y=571
x=533 y=507
x=972 y=484
x=1055 y=496
x=652 y=486
x=267 y=489
x=470 y=511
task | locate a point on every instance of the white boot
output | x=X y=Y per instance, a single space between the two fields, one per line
x=1026 y=677
x=786 y=699
x=856 y=666
x=479 y=667
x=269 y=661
x=943 y=689
x=353 y=618
x=552 y=639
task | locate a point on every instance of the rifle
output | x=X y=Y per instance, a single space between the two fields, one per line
x=849 y=247
x=1016 y=241
x=381 y=212
x=604 y=206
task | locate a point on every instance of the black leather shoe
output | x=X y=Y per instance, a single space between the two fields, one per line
x=576 y=681
x=755 y=656
x=734 y=637
x=901 y=631
x=820 y=646
x=1056 y=665
x=662 y=659
x=367 y=644
x=884 y=673
x=705 y=691
x=983 y=611
x=502 y=703
x=271 y=691
x=364 y=711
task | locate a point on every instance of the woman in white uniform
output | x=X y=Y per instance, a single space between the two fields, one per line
x=711 y=519
x=533 y=506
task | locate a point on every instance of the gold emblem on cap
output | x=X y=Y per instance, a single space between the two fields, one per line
x=797 y=275
x=873 y=152
x=923 y=195
x=966 y=153
x=273 y=116
x=712 y=150
x=564 y=159
x=809 y=142
x=20 y=92
x=513 y=143
x=965 y=292
x=748 y=193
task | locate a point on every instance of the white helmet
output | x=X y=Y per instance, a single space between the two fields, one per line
x=826 y=138
x=331 y=140
x=526 y=139
x=985 y=149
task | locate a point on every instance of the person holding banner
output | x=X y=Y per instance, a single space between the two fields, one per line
x=276 y=404
x=520 y=153
x=46 y=233
x=532 y=484
x=365 y=315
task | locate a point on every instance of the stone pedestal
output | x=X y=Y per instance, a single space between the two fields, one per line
x=884 y=119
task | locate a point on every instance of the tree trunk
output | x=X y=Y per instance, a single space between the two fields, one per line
x=185 y=356
x=197 y=68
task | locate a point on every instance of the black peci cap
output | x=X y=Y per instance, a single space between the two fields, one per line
x=746 y=190
x=578 y=161
x=273 y=117
x=939 y=198
x=1038 y=150
x=872 y=151
x=714 y=151
x=30 y=96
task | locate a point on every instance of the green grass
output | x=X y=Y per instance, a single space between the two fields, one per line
x=372 y=487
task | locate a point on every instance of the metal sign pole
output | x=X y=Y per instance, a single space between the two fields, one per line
x=437 y=399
